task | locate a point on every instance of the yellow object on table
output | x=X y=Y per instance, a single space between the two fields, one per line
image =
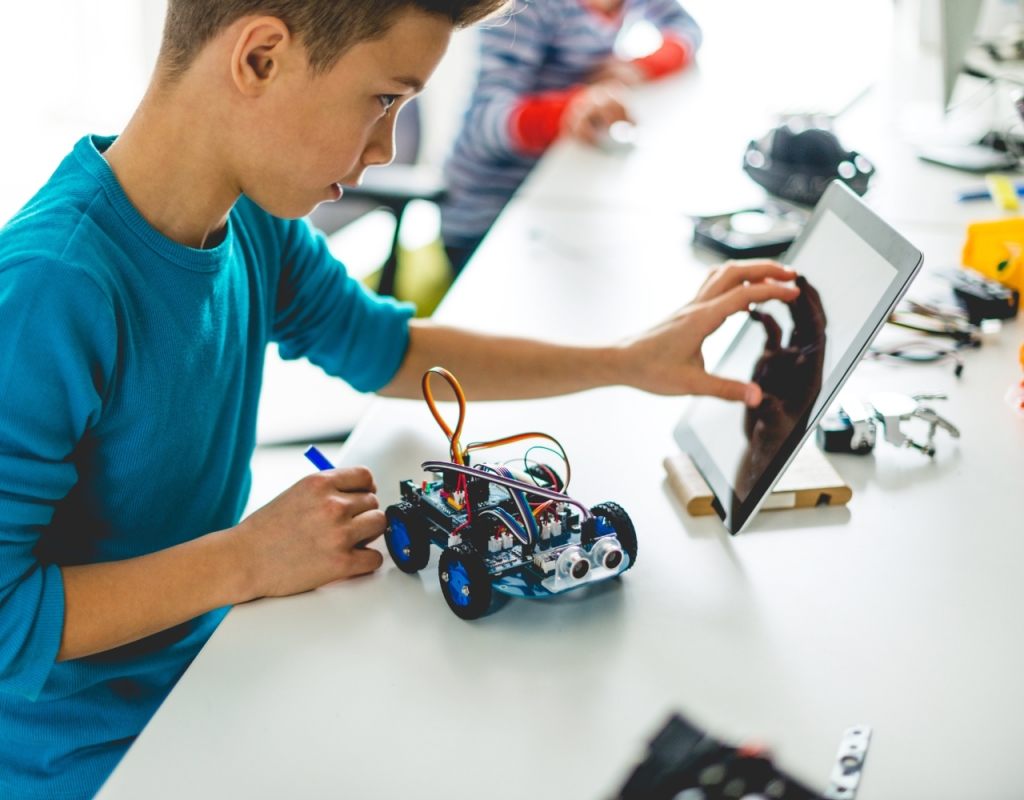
x=1003 y=192
x=995 y=250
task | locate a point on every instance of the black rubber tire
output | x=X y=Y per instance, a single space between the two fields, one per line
x=462 y=572
x=415 y=555
x=617 y=517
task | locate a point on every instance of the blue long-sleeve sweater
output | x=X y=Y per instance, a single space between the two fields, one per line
x=130 y=370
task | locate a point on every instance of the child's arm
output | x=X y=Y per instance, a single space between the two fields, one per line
x=306 y=537
x=508 y=117
x=664 y=360
x=681 y=36
x=511 y=53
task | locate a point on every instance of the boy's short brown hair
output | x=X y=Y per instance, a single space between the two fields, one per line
x=326 y=27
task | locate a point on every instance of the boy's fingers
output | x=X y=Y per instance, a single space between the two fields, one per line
x=365 y=528
x=355 y=504
x=351 y=479
x=748 y=393
x=740 y=298
x=362 y=562
x=613 y=112
x=736 y=273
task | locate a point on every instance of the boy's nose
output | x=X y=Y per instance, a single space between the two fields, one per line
x=380 y=150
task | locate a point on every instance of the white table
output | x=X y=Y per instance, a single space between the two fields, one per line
x=901 y=611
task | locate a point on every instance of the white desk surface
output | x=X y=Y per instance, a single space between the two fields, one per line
x=901 y=611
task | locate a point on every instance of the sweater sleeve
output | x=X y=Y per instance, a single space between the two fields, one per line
x=536 y=120
x=511 y=54
x=677 y=26
x=323 y=314
x=59 y=339
x=672 y=56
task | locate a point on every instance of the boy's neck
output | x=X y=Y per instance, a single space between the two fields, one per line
x=179 y=181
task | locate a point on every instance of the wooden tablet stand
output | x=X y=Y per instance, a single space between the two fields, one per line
x=809 y=481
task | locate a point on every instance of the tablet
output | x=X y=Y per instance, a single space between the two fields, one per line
x=853 y=268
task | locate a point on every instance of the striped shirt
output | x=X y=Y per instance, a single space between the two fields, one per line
x=544 y=45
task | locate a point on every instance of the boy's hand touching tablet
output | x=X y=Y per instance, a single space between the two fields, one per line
x=668 y=357
x=664 y=360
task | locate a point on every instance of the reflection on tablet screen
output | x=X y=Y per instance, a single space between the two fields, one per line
x=791 y=351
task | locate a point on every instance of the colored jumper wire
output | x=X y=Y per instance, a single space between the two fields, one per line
x=459 y=454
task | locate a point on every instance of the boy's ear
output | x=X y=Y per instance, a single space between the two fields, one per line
x=255 y=61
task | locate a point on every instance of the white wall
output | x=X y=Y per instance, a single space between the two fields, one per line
x=73 y=67
x=78 y=67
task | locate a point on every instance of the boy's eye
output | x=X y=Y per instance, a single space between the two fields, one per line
x=387 y=100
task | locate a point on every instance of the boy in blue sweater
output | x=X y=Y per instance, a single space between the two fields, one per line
x=138 y=291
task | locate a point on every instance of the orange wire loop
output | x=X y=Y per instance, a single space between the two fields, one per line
x=457 y=453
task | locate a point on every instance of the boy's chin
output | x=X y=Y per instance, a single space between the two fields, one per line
x=295 y=207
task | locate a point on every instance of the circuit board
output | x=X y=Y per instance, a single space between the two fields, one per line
x=517 y=569
x=502 y=528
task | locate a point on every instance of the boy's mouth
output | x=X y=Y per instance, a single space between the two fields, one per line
x=336 y=191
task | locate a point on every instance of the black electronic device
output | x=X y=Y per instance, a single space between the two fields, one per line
x=684 y=761
x=799 y=165
x=969 y=157
x=752 y=233
x=982 y=298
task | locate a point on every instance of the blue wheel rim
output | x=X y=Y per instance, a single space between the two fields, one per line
x=398 y=537
x=457 y=579
x=603 y=527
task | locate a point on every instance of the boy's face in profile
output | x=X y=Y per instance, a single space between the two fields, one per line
x=305 y=136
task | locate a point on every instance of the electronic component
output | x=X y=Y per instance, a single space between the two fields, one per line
x=751 y=233
x=850 y=426
x=502 y=530
x=685 y=763
x=845 y=779
x=982 y=298
x=799 y=164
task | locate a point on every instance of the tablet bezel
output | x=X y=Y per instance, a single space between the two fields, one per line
x=907 y=261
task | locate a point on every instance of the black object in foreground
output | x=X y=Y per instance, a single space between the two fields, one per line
x=685 y=763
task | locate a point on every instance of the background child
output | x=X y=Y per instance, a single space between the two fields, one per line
x=549 y=67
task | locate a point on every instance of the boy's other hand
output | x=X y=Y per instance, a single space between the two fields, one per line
x=313 y=533
x=593 y=110
x=667 y=359
x=615 y=69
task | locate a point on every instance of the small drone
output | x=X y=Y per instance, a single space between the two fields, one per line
x=502 y=528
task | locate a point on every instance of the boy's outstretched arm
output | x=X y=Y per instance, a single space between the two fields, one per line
x=664 y=360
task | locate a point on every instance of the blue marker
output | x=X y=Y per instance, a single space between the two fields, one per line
x=982 y=193
x=321 y=463
x=319 y=459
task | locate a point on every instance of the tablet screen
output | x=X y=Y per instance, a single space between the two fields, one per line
x=792 y=352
